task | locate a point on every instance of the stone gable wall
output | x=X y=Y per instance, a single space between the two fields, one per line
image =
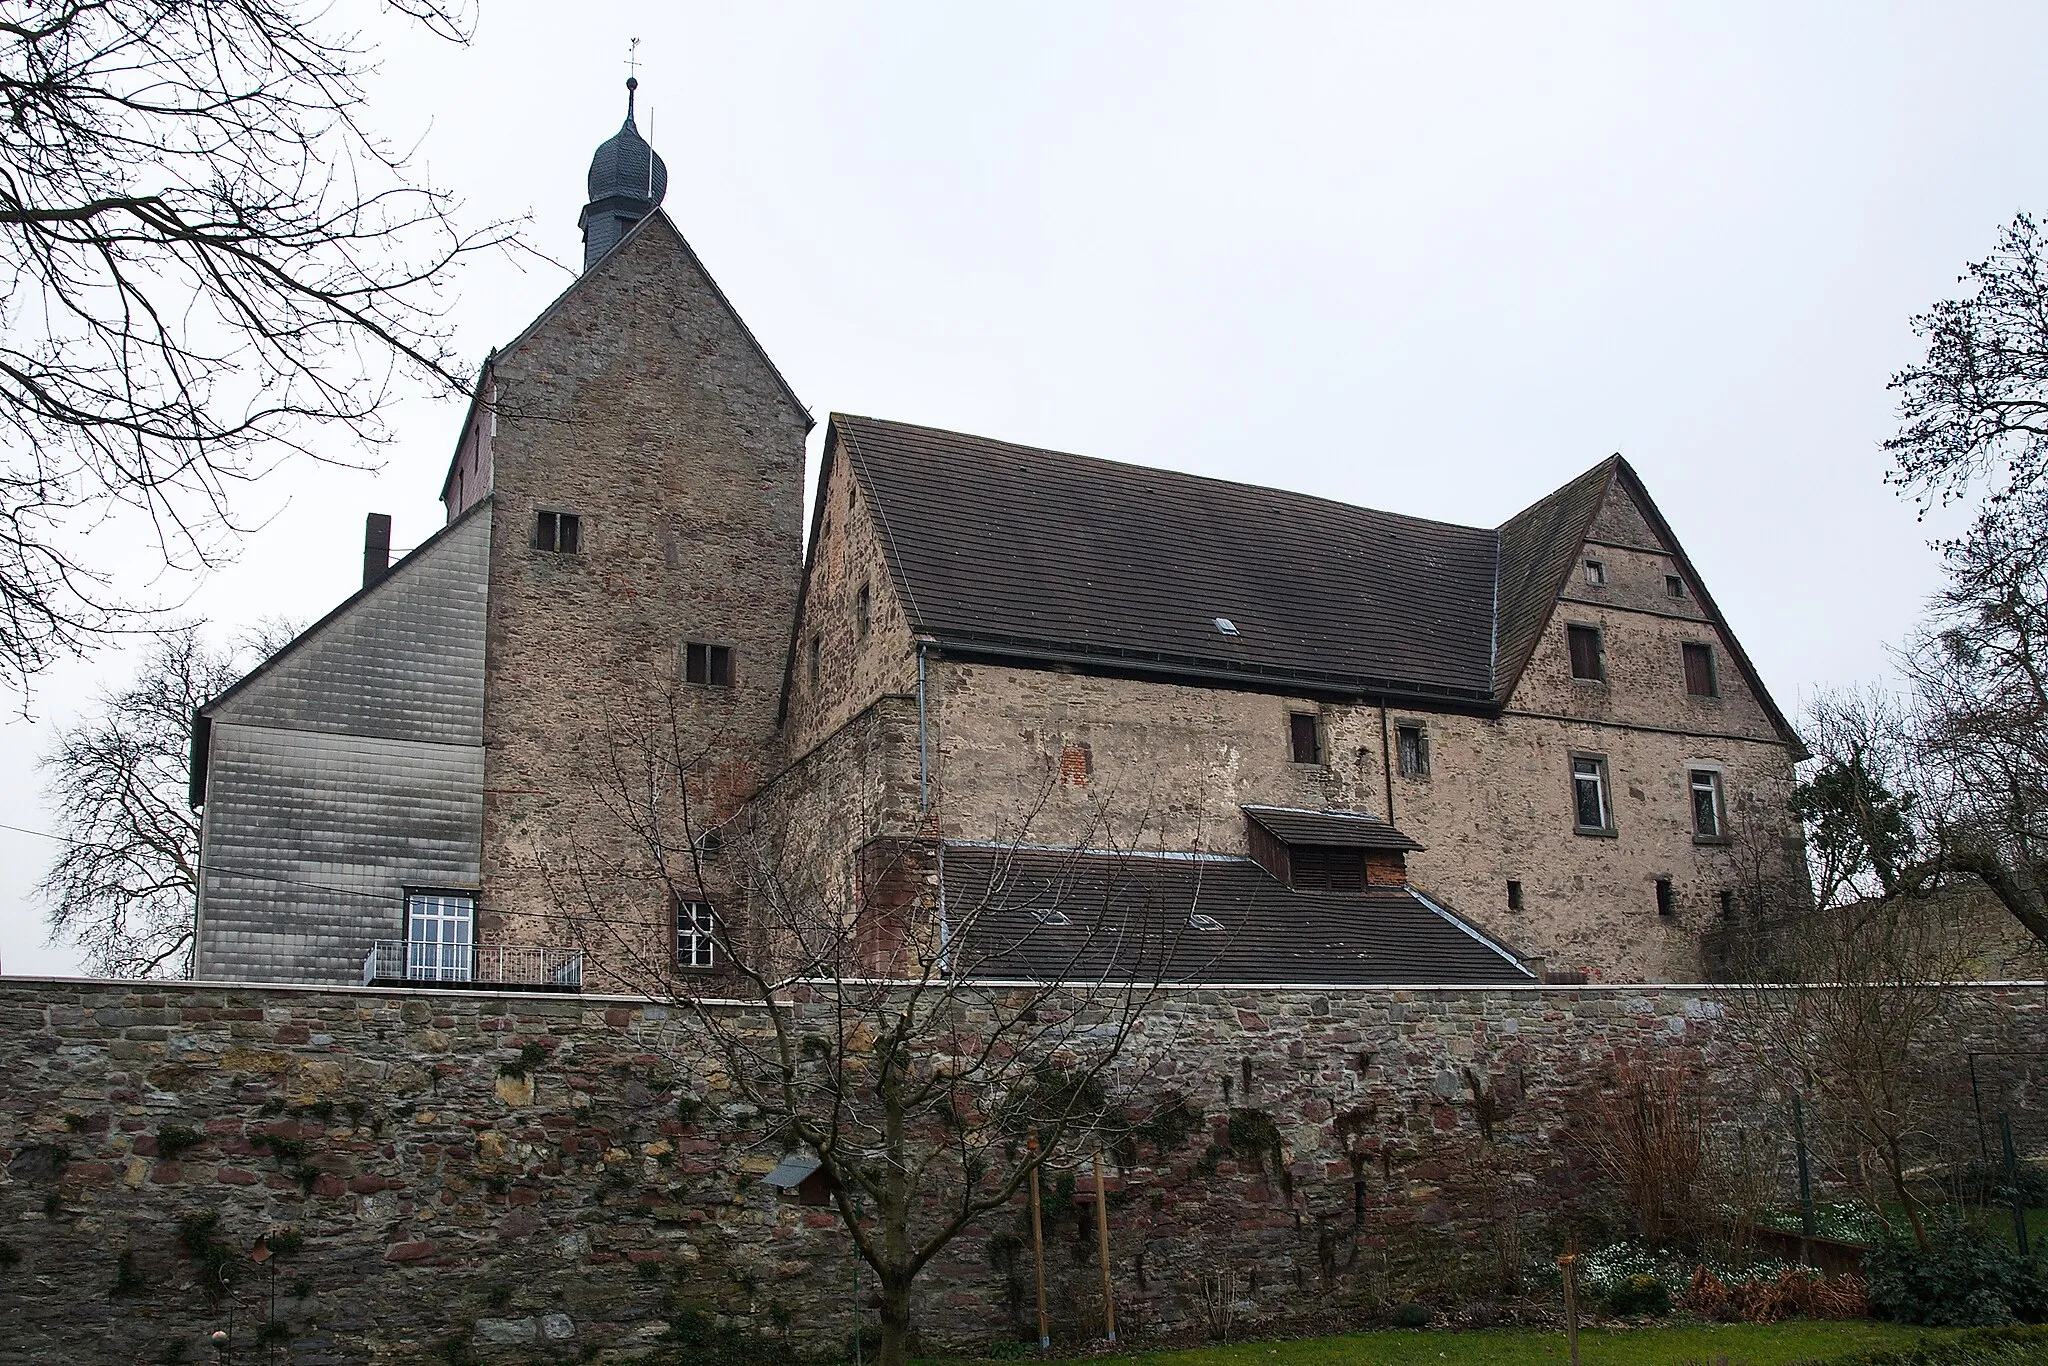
x=854 y=667
x=540 y=1178
x=640 y=404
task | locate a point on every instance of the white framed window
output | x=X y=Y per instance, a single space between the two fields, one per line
x=440 y=936
x=1707 y=811
x=696 y=934
x=1592 y=810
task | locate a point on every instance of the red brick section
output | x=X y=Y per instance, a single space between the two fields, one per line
x=433 y=1186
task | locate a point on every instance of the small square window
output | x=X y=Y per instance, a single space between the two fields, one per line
x=710 y=665
x=710 y=846
x=1583 y=642
x=863 y=611
x=558 y=533
x=1596 y=573
x=1701 y=679
x=1303 y=737
x=696 y=934
x=1674 y=586
x=1592 y=812
x=1514 y=895
x=1705 y=785
x=1667 y=903
x=1411 y=746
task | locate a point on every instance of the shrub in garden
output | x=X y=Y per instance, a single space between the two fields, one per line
x=1411 y=1316
x=1794 y=1292
x=1964 y=1278
x=1642 y=1293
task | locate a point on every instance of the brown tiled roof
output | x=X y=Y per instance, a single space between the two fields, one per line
x=1053 y=914
x=1336 y=829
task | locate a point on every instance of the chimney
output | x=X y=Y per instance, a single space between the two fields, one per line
x=376 y=547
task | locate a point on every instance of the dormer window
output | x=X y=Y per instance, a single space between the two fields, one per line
x=1341 y=853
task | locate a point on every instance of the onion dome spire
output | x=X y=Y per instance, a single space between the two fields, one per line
x=627 y=181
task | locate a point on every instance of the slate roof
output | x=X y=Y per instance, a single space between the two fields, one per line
x=1335 y=829
x=1013 y=547
x=1055 y=914
x=1040 y=556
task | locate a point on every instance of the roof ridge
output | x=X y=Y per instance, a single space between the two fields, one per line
x=1165 y=470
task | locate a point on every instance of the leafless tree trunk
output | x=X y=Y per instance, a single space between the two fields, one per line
x=885 y=1030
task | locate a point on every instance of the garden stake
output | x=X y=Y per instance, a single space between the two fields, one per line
x=1102 y=1237
x=1806 y=1224
x=1569 y=1263
x=2012 y=1181
x=1038 y=1250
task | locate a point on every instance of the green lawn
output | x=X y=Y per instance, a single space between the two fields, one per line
x=1701 y=1344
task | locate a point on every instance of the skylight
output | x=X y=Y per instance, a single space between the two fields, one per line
x=1198 y=921
x=1227 y=626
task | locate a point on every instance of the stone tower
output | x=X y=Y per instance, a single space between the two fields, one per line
x=645 y=460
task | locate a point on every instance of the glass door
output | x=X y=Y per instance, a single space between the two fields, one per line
x=438 y=937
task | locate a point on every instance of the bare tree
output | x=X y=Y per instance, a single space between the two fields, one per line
x=931 y=1036
x=1980 y=668
x=125 y=887
x=207 y=257
x=1845 y=995
x=1975 y=407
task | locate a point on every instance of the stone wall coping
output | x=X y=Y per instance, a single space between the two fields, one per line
x=30 y=984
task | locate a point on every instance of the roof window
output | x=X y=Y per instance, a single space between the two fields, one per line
x=1227 y=626
x=1198 y=921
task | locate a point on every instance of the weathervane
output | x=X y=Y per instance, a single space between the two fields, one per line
x=633 y=60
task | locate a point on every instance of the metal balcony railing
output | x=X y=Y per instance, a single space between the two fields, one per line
x=526 y=967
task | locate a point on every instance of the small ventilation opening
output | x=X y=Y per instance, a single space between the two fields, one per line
x=1727 y=903
x=1665 y=903
x=1514 y=895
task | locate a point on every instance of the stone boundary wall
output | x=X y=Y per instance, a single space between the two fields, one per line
x=540 y=1178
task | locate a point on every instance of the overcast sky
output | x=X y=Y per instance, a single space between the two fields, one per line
x=1437 y=262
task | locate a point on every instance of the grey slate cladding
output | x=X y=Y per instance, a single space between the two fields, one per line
x=347 y=769
x=1128 y=916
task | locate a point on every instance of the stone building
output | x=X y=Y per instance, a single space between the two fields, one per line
x=1539 y=743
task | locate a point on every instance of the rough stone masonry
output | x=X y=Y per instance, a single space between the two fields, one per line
x=533 y=1178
